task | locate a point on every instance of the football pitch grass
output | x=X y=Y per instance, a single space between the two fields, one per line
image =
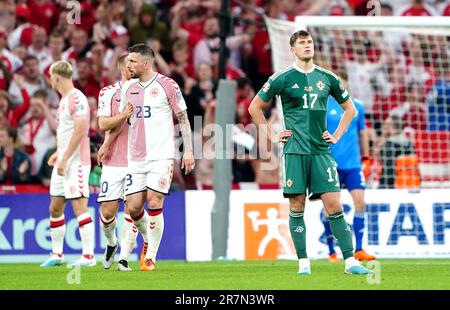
x=390 y=274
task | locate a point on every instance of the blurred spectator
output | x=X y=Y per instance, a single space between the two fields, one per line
x=366 y=77
x=120 y=40
x=187 y=21
x=12 y=116
x=86 y=81
x=104 y=25
x=23 y=30
x=7 y=9
x=231 y=72
x=416 y=68
x=38 y=47
x=418 y=8
x=211 y=41
x=394 y=39
x=55 y=49
x=384 y=104
x=78 y=46
x=15 y=166
x=201 y=94
x=244 y=95
x=359 y=7
x=21 y=51
x=392 y=144
x=38 y=134
x=32 y=81
x=9 y=63
x=446 y=10
x=439 y=102
x=45 y=173
x=181 y=65
x=43 y=13
x=413 y=111
x=262 y=58
x=150 y=28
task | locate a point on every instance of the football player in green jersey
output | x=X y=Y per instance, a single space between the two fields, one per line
x=306 y=161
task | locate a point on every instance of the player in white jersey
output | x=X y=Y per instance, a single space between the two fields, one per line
x=113 y=154
x=151 y=143
x=71 y=161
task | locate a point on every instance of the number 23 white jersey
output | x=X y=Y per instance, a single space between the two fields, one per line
x=151 y=128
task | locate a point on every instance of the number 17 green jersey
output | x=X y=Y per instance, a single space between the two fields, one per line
x=304 y=99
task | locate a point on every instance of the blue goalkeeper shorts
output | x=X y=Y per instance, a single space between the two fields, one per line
x=351 y=179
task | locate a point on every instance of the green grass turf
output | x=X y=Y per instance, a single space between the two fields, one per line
x=232 y=275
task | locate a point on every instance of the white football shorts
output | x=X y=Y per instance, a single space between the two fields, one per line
x=158 y=178
x=112 y=183
x=74 y=184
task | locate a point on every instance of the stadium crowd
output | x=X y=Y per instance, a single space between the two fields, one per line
x=405 y=84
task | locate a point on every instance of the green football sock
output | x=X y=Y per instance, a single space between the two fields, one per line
x=298 y=233
x=341 y=230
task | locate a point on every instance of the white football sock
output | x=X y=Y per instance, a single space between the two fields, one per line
x=109 y=229
x=129 y=235
x=86 y=227
x=156 y=229
x=57 y=232
x=141 y=222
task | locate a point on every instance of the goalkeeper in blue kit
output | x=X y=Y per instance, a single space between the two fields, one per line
x=347 y=153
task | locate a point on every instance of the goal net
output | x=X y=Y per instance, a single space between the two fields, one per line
x=399 y=69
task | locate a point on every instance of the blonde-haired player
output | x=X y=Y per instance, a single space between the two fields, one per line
x=71 y=161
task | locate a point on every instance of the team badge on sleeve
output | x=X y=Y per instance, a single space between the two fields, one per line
x=266 y=87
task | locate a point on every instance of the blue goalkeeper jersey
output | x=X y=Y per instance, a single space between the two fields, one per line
x=346 y=152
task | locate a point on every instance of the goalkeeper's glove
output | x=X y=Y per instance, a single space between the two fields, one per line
x=366 y=164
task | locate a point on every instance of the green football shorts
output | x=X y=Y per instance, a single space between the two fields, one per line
x=309 y=174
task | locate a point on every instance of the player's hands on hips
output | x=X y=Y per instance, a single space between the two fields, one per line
x=62 y=168
x=52 y=159
x=284 y=135
x=188 y=162
x=101 y=154
x=329 y=137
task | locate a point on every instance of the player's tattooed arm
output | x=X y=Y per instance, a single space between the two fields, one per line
x=187 y=163
x=185 y=127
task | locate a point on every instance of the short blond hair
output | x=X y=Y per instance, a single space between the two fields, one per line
x=62 y=68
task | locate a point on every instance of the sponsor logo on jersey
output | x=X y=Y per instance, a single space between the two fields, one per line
x=295 y=86
x=266 y=87
x=320 y=85
x=134 y=93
